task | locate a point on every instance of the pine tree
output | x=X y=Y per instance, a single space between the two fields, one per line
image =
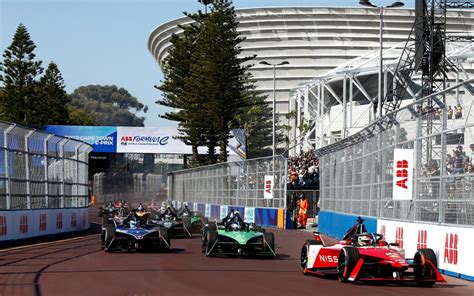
x=19 y=96
x=54 y=97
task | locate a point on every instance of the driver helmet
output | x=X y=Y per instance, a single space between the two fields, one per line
x=185 y=204
x=234 y=226
x=365 y=240
x=133 y=224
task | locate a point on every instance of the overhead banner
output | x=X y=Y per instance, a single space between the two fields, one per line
x=403 y=174
x=102 y=138
x=112 y=139
x=268 y=187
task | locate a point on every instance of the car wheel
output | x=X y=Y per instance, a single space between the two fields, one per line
x=424 y=272
x=187 y=227
x=211 y=241
x=346 y=262
x=109 y=236
x=269 y=243
x=165 y=236
x=305 y=253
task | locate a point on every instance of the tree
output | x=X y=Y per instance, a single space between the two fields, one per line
x=19 y=96
x=109 y=105
x=54 y=107
x=176 y=71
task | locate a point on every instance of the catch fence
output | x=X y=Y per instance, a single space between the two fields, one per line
x=240 y=183
x=357 y=176
x=39 y=170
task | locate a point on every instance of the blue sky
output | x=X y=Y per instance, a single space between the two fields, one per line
x=105 y=41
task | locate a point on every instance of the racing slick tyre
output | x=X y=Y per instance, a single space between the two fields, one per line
x=346 y=262
x=423 y=271
x=108 y=236
x=165 y=236
x=305 y=252
x=269 y=242
x=211 y=240
x=187 y=227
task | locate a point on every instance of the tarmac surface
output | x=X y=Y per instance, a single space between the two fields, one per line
x=77 y=266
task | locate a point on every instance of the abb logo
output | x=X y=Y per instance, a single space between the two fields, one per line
x=422 y=239
x=42 y=222
x=59 y=221
x=268 y=186
x=402 y=172
x=3 y=225
x=451 y=249
x=328 y=258
x=84 y=219
x=23 y=224
x=399 y=236
x=73 y=220
x=382 y=230
x=126 y=139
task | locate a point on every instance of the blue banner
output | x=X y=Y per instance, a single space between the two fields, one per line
x=102 y=138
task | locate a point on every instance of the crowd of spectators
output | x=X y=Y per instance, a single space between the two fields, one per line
x=303 y=172
x=453 y=113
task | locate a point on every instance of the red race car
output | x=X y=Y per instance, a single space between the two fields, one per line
x=364 y=256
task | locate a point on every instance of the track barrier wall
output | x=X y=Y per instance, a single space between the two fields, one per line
x=268 y=217
x=16 y=225
x=336 y=224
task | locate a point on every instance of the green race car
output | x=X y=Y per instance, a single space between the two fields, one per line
x=234 y=237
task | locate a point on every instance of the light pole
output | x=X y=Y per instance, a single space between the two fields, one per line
x=274 y=104
x=381 y=8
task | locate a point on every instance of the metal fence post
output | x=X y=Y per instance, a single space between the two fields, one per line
x=61 y=156
x=27 y=170
x=7 y=167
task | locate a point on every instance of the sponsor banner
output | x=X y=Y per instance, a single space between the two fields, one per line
x=268 y=187
x=26 y=224
x=452 y=245
x=266 y=217
x=224 y=212
x=195 y=207
x=207 y=212
x=336 y=224
x=215 y=211
x=102 y=138
x=249 y=215
x=403 y=174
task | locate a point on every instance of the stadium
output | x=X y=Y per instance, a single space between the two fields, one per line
x=324 y=44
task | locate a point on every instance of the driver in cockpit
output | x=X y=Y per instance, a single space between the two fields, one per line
x=170 y=213
x=184 y=211
x=235 y=223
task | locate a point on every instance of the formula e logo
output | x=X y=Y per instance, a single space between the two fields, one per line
x=399 y=236
x=402 y=172
x=59 y=221
x=328 y=258
x=23 y=224
x=3 y=225
x=422 y=239
x=42 y=222
x=451 y=249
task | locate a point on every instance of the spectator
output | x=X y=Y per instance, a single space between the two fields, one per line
x=458 y=112
x=472 y=153
x=450 y=112
x=303 y=172
x=458 y=162
x=437 y=114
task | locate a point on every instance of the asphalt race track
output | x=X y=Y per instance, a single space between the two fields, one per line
x=77 y=266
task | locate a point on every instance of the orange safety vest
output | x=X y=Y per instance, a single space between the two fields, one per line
x=304 y=207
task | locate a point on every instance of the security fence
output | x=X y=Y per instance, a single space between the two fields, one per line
x=129 y=186
x=240 y=183
x=40 y=170
x=357 y=176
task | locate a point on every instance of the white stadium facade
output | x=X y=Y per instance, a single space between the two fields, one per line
x=325 y=46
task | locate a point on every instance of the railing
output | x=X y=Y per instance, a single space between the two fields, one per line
x=240 y=183
x=40 y=170
x=357 y=177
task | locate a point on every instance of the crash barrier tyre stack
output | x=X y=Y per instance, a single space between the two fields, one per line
x=44 y=183
x=358 y=178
